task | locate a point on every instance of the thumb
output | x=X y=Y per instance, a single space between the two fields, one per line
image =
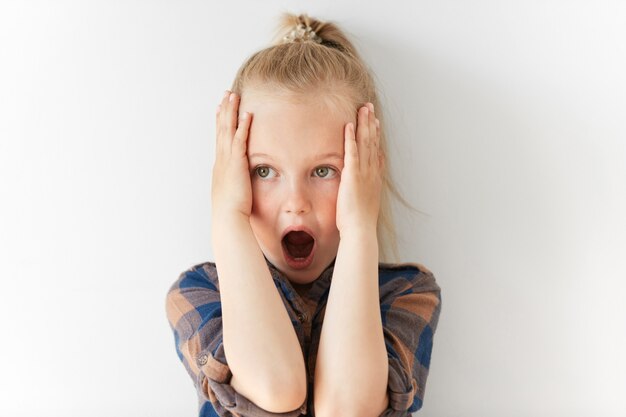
x=241 y=134
x=351 y=153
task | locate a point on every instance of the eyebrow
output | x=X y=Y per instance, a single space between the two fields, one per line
x=333 y=155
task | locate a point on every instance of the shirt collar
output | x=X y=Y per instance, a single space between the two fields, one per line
x=320 y=285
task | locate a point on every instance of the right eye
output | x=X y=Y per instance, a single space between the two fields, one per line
x=264 y=171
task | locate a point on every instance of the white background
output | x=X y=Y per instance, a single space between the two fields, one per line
x=508 y=127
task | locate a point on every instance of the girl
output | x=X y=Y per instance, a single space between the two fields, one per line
x=297 y=316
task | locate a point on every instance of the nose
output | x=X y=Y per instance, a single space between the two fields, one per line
x=298 y=199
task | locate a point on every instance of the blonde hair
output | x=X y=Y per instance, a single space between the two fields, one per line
x=328 y=61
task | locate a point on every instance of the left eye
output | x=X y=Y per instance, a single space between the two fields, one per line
x=325 y=172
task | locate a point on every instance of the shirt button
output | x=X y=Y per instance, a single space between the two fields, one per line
x=202 y=359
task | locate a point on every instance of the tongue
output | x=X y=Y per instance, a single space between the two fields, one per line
x=299 y=244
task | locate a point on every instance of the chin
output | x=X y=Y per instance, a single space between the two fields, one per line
x=310 y=274
x=299 y=276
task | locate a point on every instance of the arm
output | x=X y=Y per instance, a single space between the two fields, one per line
x=352 y=365
x=194 y=312
x=260 y=343
x=352 y=368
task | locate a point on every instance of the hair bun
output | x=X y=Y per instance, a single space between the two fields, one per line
x=301 y=33
x=302 y=28
x=299 y=28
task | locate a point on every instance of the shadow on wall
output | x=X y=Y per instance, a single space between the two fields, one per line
x=475 y=153
x=497 y=163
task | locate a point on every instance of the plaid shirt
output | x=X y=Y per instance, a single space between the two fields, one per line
x=410 y=303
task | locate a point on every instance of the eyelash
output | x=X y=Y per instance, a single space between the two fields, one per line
x=332 y=172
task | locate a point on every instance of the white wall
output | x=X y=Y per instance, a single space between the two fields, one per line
x=508 y=122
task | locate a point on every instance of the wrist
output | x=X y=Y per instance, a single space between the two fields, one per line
x=230 y=224
x=359 y=244
x=228 y=216
x=360 y=232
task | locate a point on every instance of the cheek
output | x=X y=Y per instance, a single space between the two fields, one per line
x=261 y=216
x=327 y=196
x=261 y=199
x=331 y=190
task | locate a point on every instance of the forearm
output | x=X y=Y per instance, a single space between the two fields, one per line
x=352 y=367
x=260 y=342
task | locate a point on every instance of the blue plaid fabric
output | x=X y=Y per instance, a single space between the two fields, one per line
x=410 y=304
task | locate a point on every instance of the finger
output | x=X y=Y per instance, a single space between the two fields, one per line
x=351 y=152
x=381 y=155
x=217 y=126
x=362 y=125
x=222 y=144
x=223 y=108
x=221 y=126
x=217 y=117
x=372 y=124
x=363 y=137
x=240 y=140
x=232 y=114
x=373 y=156
x=378 y=134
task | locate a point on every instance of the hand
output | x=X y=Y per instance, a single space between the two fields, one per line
x=231 y=191
x=358 y=199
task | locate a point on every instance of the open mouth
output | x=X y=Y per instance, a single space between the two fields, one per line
x=298 y=249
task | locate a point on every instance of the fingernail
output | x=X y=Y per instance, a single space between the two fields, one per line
x=377 y=122
x=219 y=107
x=245 y=115
x=226 y=93
x=232 y=97
x=371 y=105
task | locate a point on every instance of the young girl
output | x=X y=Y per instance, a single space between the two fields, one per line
x=297 y=316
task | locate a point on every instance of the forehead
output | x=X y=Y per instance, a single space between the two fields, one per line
x=291 y=124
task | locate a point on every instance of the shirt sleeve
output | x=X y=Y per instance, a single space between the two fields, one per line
x=194 y=313
x=410 y=308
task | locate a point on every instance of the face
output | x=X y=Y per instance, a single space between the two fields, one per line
x=295 y=154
